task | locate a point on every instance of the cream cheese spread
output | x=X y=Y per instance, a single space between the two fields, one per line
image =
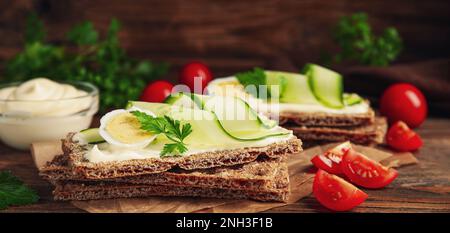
x=43 y=110
x=43 y=97
x=230 y=86
x=105 y=152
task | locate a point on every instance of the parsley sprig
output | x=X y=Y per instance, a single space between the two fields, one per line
x=252 y=77
x=358 y=43
x=172 y=129
x=14 y=192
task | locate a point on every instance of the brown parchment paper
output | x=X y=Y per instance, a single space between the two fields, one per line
x=301 y=174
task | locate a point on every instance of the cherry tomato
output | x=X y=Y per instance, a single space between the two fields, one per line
x=156 y=91
x=402 y=138
x=404 y=102
x=365 y=172
x=335 y=193
x=195 y=72
x=330 y=160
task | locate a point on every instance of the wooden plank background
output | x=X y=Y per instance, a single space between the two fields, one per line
x=232 y=35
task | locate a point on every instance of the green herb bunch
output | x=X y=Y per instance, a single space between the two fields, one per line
x=358 y=43
x=85 y=57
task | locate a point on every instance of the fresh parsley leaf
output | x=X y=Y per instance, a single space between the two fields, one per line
x=253 y=79
x=176 y=130
x=155 y=125
x=14 y=192
x=354 y=36
x=172 y=129
x=83 y=34
x=186 y=129
x=169 y=148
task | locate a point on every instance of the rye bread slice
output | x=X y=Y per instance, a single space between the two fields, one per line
x=326 y=119
x=76 y=190
x=367 y=135
x=129 y=191
x=257 y=175
x=205 y=160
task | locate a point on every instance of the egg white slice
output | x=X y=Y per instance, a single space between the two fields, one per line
x=111 y=140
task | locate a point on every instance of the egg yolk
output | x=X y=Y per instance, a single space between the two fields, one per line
x=125 y=128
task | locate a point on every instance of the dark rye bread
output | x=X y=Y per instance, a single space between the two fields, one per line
x=114 y=169
x=257 y=175
x=366 y=135
x=325 y=119
x=76 y=190
x=81 y=193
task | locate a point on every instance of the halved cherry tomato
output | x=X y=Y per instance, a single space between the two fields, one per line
x=196 y=76
x=365 y=172
x=329 y=161
x=156 y=91
x=402 y=138
x=335 y=193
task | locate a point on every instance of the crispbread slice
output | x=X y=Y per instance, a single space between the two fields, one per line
x=205 y=160
x=366 y=135
x=80 y=192
x=76 y=190
x=257 y=175
x=326 y=119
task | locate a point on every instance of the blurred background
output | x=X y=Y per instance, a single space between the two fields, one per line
x=232 y=36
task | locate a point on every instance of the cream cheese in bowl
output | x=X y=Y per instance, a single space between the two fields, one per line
x=42 y=110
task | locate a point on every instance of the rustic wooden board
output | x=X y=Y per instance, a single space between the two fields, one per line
x=424 y=187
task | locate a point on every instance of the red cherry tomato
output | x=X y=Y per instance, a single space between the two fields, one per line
x=195 y=72
x=335 y=193
x=365 y=172
x=402 y=138
x=156 y=91
x=330 y=160
x=404 y=102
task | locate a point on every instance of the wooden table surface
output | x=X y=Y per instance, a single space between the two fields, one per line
x=424 y=187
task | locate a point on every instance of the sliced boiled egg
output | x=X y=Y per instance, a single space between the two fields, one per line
x=121 y=128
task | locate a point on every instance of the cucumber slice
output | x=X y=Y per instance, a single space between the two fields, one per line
x=240 y=121
x=206 y=129
x=186 y=100
x=172 y=98
x=241 y=108
x=181 y=99
x=326 y=85
x=352 y=99
x=158 y=109
x=90 y=136
x=205 y=103
x=275 y=78
x=249 y=128
x=200 y=100
x=296 y=90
